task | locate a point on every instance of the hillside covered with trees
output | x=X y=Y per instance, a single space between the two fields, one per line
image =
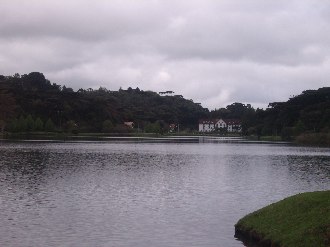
x=32 y=103
x=307 y=112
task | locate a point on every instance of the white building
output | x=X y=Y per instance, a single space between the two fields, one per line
x=233 y=125
x=226 y=125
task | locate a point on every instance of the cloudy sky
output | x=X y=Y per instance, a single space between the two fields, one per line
x=212 y=51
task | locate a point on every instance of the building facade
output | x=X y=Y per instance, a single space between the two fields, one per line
x=220 y=125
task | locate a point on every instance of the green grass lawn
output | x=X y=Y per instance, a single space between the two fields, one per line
x=298 y=221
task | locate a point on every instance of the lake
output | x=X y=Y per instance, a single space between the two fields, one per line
x=146 y=193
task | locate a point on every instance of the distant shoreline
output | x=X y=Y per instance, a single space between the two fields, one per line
x=311 y=139
x=179 y=137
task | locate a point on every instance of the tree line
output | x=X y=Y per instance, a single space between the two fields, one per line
x=30 y=102
x=306 y=113
x=89 y=110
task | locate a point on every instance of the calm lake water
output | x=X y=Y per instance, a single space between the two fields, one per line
x=145 y=193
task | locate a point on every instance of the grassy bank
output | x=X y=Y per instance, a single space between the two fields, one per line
x=70 y=136
x=302 y=220
x=41 y=135
x=265 y=138
x=314 y=139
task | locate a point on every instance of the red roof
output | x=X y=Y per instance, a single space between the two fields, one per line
x=232 y=121
x=215 y=120
x=208 y=121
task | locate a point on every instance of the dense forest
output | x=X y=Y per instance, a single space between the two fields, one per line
x=30 y=98
x=308 y=112
x=32 y=103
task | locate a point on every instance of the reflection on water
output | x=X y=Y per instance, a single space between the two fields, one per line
x=145 y=194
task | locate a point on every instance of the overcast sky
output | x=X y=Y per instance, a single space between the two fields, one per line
x=212 y=51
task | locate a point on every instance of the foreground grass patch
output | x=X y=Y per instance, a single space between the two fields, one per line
x=300 y=220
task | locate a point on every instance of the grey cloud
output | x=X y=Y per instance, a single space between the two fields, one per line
x=275 y=38
x=81 y=20
x=215 y=52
